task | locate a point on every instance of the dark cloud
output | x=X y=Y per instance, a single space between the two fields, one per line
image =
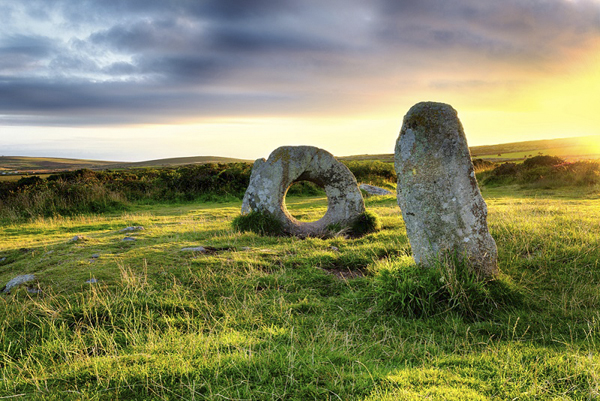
x=23 y=52
x=135 y=61
x=527 y=29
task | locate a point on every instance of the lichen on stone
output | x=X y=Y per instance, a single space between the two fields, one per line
x=271 y=179
x=437 y=190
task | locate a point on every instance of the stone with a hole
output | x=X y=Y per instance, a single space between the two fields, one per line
x=271 y=179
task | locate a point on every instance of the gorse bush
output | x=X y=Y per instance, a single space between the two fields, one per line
x=305 y=188
x=542 y=161
x=544 y=171
x=372 y=171
x=483 y=165
x=88 y=191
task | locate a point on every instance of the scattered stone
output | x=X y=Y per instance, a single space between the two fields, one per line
x=374 y=191
x=49 y=253
x=95 y=256
x=334 y=248
x=270 y=180
x=77 y=238
x=437 y=190
x=194 y=249
x=129 y=239
x=245 y=248
x=2 y=260
x=91 y=281
x=33 y=290
x=18 y=280
x=132 y=228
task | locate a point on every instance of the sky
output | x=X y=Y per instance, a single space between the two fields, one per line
x=133 y=80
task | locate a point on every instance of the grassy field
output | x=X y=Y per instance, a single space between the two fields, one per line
x=283 y=318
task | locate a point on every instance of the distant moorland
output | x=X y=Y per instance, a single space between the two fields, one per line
x=46 y=164
x=570 y=149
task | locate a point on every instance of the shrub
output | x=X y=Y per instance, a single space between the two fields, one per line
x=305 y=188
x=372 y=171
x=260 y=223
x=545 y=171
x=88 y=191
x=503 y=174
x=483 y=165
x=542 y=161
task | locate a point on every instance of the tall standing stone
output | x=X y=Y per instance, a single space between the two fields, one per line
x=438 y=194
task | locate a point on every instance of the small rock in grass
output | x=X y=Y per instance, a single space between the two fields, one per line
x=194 y=249
x=95 y=256
x=132 y=228
x=2 y=259
x=77 y=238
x=18 y=280
x=373 y=190
x=91 y=281
x=33 y=290
x=129 y=239
x=334 y=248
x=245 y=248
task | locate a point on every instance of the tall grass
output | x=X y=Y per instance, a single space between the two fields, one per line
x=283 y=318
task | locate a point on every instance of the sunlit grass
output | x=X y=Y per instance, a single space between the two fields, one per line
x=284 y=318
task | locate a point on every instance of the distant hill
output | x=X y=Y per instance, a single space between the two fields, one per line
x=25 y=163
x=568 y=148
x=180 y=161
x=45 y=164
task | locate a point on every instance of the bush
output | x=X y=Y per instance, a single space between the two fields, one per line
x=450 y=285
x=305 y=188
x=542 y=161
x=88 y=191
x=545 y=171
x=372 y=171
x=483 y=165
x=259 y=223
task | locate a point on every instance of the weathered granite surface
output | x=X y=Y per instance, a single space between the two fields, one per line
x=18 y=280
x=437 y=191
x=374 y=190
x=271 y=178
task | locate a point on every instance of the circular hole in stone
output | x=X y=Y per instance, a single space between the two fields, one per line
x=306 y=201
